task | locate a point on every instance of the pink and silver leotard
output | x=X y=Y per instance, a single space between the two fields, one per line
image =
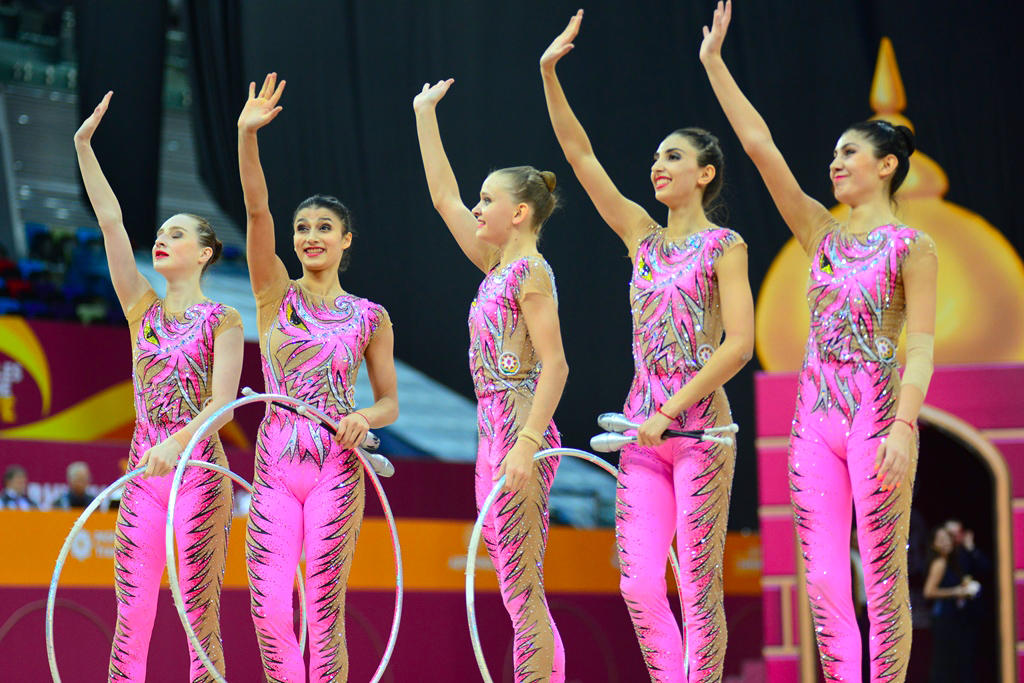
x=682 y=487
x=848 y=390
x=309 y=492
x=171 y=377
x=505 y=370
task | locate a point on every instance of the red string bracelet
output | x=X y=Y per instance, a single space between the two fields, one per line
x=910 y=424
x=663 y=414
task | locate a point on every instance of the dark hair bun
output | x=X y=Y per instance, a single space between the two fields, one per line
x=907 y=136
x=217 y=247
x=549 y=180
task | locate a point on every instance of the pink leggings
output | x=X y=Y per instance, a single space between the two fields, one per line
x=515 y=532
x=680 y=488
x=302 y=503
x=843 y=412
x=202 y=517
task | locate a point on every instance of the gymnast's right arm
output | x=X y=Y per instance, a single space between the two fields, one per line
x=627 y=218
x=444 y=188
x=804 y=215
x=264 y=265
x=129 y=283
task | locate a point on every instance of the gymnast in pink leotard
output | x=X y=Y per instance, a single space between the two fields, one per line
x=187 y=357
x=689 y=286
x=519 y=370
x=309 y=489
x=853 y=437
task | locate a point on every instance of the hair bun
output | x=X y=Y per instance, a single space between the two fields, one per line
x=549 y=180
x=218 y=247
x=907 y=136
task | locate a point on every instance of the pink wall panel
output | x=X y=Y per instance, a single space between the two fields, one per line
x=1013 y=452
x=777 y=538
x=782 y=669
x=1018 y=539
x=987 y=396
x=773 y=479
x=774 y=402
x=771 y=604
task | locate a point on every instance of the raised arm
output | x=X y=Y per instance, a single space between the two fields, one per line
x=380 y=368
x=541 y=316
x=129 y=283
x=444 y=188
x=627 y=218
x=264 y=265
x=737 y=306
x=227 y=369
x=804 y=215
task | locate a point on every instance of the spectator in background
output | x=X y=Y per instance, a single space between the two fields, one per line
x=952 y=591
x=15 y=485
x=77 y=496
x=976 y=568
x=971 y=560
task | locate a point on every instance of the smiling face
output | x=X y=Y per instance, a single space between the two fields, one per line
x=857 y=174
x=320 y=238
x=498 y=215
x=676 y=174
x=176 y=250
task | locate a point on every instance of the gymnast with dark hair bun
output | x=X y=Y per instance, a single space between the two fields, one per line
x=854 y=436
x=519 y=370
x=689 y=286
x=308 y=487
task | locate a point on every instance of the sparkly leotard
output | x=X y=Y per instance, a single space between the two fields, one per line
x=848 y=390
x=682 y=487
x=171 y=378
x=505 y=372
x=308 y=490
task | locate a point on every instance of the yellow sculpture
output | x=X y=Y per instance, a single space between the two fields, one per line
x=980 y=316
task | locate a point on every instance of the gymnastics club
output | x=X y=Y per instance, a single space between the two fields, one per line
x=371 y=443
x=616 y=423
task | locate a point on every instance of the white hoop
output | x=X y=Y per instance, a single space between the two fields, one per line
x=62 y=557
x=474 y=543
x=172 y=573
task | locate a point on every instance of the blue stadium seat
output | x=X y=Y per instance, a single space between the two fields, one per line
x=87 y=234
x=30 y=267
x=9 y=306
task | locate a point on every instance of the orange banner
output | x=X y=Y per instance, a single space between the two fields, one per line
x=433 y=554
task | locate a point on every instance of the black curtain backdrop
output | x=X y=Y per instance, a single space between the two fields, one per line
x=347 y=128
x=120 y=47
x=217 y=82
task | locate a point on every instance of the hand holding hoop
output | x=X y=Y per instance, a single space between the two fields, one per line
x=314 y=413
x=474 y=545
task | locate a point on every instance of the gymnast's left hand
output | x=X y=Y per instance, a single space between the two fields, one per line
x=517 y=465
x=894 y=453
x=649 y=433
x=161 y=458
x=352 y=430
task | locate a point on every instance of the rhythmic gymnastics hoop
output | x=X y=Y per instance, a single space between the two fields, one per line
x=474 y=543
x=62 y=557
x=309 y=411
